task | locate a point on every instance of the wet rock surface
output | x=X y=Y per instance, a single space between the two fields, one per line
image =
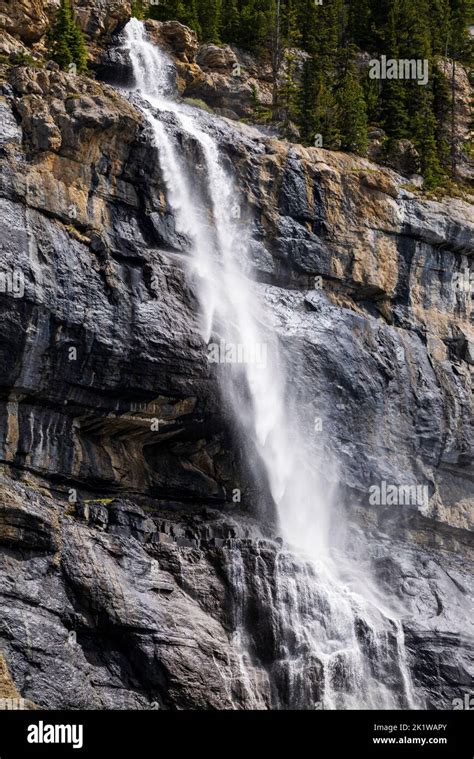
x=121 y=541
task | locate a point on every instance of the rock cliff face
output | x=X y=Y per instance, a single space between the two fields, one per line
x=28 y=20
x=125 y=562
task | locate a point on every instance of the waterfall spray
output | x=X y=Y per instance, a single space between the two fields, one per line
x=332 y=643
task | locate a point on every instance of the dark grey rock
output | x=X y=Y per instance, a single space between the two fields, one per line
x=154 y=565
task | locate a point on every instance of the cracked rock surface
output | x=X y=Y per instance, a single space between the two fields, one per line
x=119 y=542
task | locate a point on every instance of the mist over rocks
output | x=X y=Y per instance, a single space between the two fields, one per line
x=128 y=536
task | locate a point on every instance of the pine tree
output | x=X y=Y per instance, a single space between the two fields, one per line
x=311 y=73
x=58 y=48
x=307 y=95
x=324 y=94
x=383 y=25
x=184 y=11
x=277 y=50
x=424 y=128
x=78 y=48
x=394 y=115
x=360 y=20
x=327 y=114
x=352 y=111
x=189 y=15
x=442 y=112
x=139 y=10
x=290 y=31
x=413 y=29
x=439 y=14
x=208 y=15
x=65 y=40
x=288 y=92
x=166 y=10
x=286 y=37
x=255 y=24
x=460 y=42
x=230 y=21
x=322 y=30
x=60 y=53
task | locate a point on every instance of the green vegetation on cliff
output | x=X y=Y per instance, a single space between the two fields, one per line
x=331 y=93
x=66 y=44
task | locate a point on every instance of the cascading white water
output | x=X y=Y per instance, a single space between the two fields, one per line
x=317 y=620
x=229 y=302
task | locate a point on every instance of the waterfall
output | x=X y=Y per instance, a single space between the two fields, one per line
x=331 y=646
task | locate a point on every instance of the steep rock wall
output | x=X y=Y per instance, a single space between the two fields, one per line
x=366 y=283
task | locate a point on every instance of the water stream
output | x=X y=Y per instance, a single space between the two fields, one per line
x=332 y=646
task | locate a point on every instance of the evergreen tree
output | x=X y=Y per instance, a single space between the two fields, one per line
x=372 y=99
x=352 y=111
x=322 y=31
x=322 y=92
x=311 y=76
x=65 y=40
x=413 y=28
x=58 y=48
x=166 y=10
x=184 y=11
x=424 y=128
x=189 y=15
x=415 y=42
x=290 y=31
x=288 y=92
x=442 y=113
x=394 y=115
x=460 y=46
x=255 y=24
x=439 y=15
x=139 y=10
x=360 y=21
x=328 y=119
x=230 y=21
x=78 y=49
x=208 y=16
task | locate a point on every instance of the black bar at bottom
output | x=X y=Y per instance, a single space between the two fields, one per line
x=157 y=733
